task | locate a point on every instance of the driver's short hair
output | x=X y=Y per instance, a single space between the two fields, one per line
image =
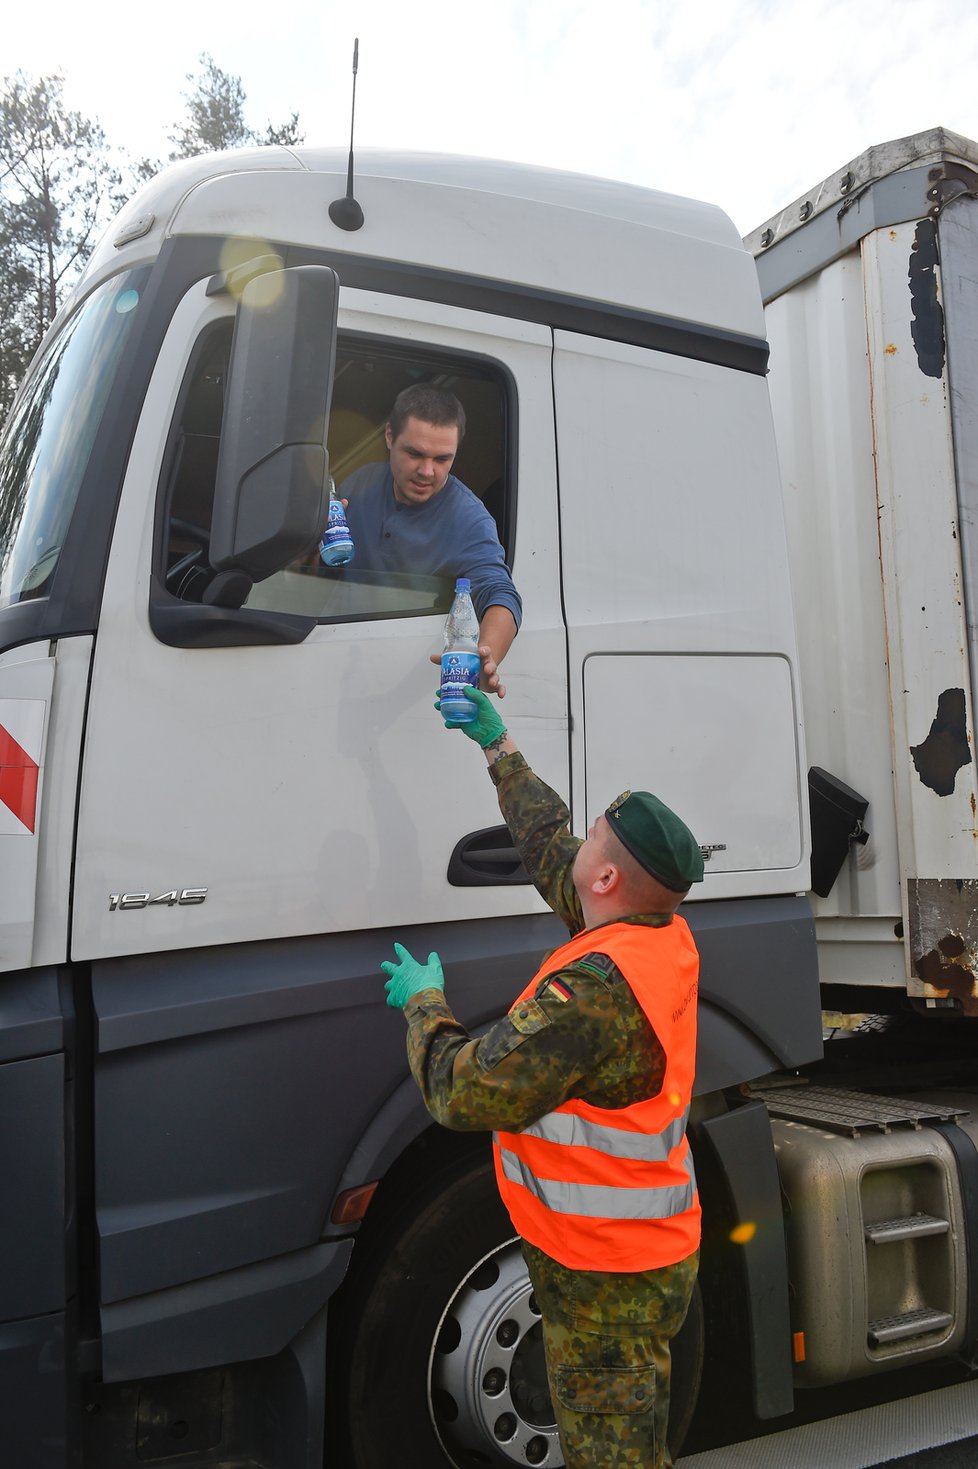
x=430 y=404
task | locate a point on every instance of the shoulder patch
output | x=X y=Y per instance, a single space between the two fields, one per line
x=603 y=966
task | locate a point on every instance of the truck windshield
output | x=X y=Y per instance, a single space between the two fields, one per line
x=49 y=434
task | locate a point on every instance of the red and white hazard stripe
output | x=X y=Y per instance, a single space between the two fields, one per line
x=21 y=744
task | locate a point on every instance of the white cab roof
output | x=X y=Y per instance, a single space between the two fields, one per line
x=535 y=228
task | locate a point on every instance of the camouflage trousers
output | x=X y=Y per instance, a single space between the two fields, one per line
x=606 y=1338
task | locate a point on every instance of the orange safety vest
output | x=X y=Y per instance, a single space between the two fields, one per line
x=613 y=1189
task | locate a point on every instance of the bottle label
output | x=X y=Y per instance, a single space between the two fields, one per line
x=337 y=531
x=336 y=546
x=459 y=671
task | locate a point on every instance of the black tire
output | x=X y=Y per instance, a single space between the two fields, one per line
x=435 y=1350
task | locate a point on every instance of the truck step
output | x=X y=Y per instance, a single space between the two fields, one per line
x=909 y=1323
x=849 y=1112
x=913 y=1226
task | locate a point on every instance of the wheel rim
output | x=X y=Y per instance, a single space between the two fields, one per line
x=487 y=1381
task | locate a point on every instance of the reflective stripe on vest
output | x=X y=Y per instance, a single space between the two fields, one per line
x=590 y=1201
x=576 y=1132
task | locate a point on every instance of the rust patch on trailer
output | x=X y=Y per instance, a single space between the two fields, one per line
x=947 y=973
x=927 y=327
x=946 y=749
x=943 y=915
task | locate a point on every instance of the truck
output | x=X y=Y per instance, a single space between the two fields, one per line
x=736 y=484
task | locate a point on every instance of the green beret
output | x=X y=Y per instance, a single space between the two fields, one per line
x=656 y=838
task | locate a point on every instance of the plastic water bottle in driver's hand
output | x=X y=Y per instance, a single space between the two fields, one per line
x=336 y=546
x=460 y=663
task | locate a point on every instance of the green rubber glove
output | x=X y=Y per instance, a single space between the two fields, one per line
x=407 y=977
x=486 y=726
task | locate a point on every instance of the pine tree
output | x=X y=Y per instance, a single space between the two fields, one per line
x=215 y=116
x=58 y=189
x=60 y=186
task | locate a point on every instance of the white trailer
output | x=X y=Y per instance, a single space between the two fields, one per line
x=869 y=289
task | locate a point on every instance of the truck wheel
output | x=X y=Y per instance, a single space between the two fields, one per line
x=438 y=1344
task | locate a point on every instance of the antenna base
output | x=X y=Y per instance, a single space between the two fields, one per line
x=346 y=213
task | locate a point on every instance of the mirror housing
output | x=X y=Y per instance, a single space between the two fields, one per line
x=271 y=495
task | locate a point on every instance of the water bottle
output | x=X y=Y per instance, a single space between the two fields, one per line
x=336 y=546
x=460 y=662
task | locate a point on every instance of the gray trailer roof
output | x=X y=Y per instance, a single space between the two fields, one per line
x=908 y=178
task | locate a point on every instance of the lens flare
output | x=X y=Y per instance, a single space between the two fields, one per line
x=245 y=260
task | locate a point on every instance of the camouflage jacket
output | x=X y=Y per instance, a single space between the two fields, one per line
x=584 y=1036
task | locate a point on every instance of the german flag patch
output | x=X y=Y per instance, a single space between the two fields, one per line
x=557 y=989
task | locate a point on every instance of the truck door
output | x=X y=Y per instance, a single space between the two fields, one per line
x=258 y=821
x=309 y=787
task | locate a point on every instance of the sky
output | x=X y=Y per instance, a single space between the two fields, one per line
x=745 y=103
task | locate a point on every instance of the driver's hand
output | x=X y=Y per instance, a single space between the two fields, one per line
x=489 y=677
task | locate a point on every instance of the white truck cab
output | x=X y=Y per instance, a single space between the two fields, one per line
x=287 y=771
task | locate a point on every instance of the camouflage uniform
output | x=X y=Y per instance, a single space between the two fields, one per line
x=583 y=1034
x=607 y=1337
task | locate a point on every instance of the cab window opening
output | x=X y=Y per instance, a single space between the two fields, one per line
x=370 y=372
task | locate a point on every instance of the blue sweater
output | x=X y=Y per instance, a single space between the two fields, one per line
x=451 y=535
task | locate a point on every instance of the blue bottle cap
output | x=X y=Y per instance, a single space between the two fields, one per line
x=463 y=584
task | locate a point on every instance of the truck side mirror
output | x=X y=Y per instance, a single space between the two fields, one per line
x=271 y=495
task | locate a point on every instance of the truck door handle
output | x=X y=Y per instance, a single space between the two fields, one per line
x=486 y=858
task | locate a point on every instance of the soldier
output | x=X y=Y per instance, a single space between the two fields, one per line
x=586 y=1085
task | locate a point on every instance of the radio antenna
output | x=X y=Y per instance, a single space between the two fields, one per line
x=346 y=212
